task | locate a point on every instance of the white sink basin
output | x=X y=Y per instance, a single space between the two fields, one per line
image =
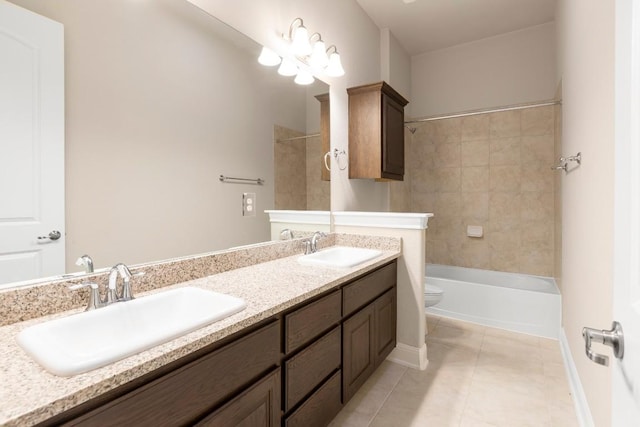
x=340 y=256
x=89 y=340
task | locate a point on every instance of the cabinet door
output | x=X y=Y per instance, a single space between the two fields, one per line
x=385 y=325
x=357 y=351
x=259 y=406
x=392 y=139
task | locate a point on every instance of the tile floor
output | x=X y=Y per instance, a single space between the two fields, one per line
x=477 y=376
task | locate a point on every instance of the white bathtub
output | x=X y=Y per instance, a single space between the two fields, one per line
x=516 y=302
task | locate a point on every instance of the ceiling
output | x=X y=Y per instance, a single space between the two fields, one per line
x=425 y=25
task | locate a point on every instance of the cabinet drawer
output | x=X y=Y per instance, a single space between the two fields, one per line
x=259 y=406
x=308 y=322
x=320 y=408
x=185 y=394
x=307 y=369
x=366 y=289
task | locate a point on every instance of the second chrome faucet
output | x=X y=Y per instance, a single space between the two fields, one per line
x=112 y=294
x=311 y=245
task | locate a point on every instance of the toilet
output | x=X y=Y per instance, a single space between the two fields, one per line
x=432 y=295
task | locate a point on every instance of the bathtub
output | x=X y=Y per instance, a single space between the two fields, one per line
x=516 y=302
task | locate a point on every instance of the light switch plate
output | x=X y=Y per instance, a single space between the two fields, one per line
x=248 y=204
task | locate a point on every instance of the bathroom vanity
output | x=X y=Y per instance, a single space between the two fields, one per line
x=306 y=342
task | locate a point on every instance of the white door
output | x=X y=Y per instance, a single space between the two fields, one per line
x=31 y=145
x=626 y=309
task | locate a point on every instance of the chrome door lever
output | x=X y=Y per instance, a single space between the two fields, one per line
x=614 y=338
x=54 y=235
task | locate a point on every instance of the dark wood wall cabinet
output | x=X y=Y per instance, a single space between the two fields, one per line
x=296 y=369
x=376 y=132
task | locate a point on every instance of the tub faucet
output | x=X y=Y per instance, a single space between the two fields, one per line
x=87 y=262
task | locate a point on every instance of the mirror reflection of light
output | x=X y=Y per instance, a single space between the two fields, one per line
x=287 y=68
x=268 y=57
x=304 y=78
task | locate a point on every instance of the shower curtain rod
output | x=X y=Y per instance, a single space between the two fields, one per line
x=298 y=137
x=486 y=110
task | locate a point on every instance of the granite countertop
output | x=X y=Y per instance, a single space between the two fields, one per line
x=29 y=394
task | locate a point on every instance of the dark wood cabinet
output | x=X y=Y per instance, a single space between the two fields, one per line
x=325 y=134
x=369 y=335
x=385 y=315
x=186 y=394
x=376 y=132
x=259 y=406
x=296 y=369
x=320 y=408
x=358 y=357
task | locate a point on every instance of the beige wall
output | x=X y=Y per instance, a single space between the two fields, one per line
x=587 y=38
x=156 y=108
x=490 y=170
x=512 y=68
x=395 y=65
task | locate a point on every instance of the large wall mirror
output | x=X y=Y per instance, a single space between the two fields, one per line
x=160 y=100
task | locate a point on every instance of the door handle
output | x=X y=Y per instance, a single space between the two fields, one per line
x=614 y=338
x=54 y=235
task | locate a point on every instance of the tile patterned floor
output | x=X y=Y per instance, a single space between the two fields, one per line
x=476 y=377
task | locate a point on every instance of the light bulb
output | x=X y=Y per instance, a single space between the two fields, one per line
x=334 y=69
x=287 y=68
x=300 y=44
x=268 y=57
x=319 y=58
x=304 y=78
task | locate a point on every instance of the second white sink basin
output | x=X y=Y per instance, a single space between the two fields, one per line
x=340 y=256
x=89 y=340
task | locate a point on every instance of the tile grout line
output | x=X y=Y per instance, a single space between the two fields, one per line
x=475 y=367
x=387 y=397
x=437 y=321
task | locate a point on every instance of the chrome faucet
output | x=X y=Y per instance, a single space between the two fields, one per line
x=314 y=240
x=286 y=234
x=87 y=262
x=112 y=296
x=127 y=292
x=94 y=295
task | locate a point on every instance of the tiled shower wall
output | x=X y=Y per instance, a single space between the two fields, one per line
x=297 y=172
x=290 y=175
x=491 y=170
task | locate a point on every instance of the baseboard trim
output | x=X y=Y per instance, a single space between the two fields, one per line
x=409 y=356
x=580 y=403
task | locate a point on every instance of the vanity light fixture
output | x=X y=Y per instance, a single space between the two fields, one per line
x=268 y=57
x=319 y=58
x=299 y=37
x=304 y=77
x=334 y=68
x=287 y=68
x=307 y=54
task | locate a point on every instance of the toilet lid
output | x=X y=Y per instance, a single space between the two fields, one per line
x=432 y=290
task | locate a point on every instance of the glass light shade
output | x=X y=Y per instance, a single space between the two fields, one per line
x=319 y=58
x=268 y=57
x=334 y=69
x=300 y=44
x=287 y=68
x=304 y=78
